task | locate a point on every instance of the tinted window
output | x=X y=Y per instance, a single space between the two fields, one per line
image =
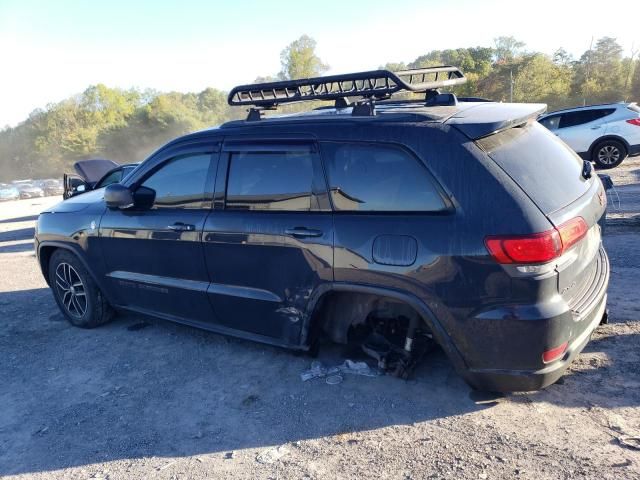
x=551 y=122
x=113 y=177
x=270 y=181
x=544 y=166
x=378 y=178
x=180 y=183
x=572 y=119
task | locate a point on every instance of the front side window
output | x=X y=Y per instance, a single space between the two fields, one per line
x=270 y=181
x=180 y=183
x=379 y=178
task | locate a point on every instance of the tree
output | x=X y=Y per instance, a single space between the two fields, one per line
x=599 y=74
x=394 y=66
x=634 y=91
x=562 y=57
x=538 y=79
x=299 y=60
x=507 y=49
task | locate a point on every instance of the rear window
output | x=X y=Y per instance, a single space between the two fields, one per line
x=544 y=166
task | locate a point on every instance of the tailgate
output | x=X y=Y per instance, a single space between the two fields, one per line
x=553 y=177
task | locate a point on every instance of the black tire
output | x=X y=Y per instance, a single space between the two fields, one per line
x=77 y=295
x=609 y=154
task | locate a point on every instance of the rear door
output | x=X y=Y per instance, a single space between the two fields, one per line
x=579 y=129
x=269 y=241
x=153 y=256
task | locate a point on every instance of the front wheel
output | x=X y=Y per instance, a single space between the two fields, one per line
x=76 y=294
x=609 y=154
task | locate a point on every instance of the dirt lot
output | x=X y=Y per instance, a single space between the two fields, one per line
x=142 y=398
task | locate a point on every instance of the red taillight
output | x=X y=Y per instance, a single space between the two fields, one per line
x=554 y=353
x=538 y=247
x=634 y=121
x=572 y=232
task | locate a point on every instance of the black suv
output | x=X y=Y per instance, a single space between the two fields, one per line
x=378 y=220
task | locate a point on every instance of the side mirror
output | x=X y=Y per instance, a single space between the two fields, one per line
x=118 y=196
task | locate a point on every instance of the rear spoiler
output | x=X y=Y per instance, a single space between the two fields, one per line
x=485 y=119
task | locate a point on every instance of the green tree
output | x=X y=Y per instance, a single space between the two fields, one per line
x=507 y=49
x=299 y=60
x=599 y=74
x=634 y=90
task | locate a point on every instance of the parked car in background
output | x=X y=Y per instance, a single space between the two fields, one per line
x=605 y=134
x=28 y=190
x=52 y=187
x=8 y=192
x=388 y=224
x=93 y=174
x=15 y=183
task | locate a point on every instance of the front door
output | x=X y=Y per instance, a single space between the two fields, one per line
x=268 y=242
x=153 y=254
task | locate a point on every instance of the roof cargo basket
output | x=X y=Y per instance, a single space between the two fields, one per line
x=369 y=86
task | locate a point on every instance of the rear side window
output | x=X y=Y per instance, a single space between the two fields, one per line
x=270 y=181
x=572 y=119
x=180 y=183
x=378 y=178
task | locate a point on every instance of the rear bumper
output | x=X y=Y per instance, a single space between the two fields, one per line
x=582 y=318
x=530 y=380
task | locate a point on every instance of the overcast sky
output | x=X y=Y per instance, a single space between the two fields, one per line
x=53 y=49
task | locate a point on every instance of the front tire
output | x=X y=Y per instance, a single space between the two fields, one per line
x=609 y=154
x=77 y=295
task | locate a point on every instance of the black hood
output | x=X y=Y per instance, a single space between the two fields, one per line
x=93 y=170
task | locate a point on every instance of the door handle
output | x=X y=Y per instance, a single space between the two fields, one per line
x=302 y=232
x=182 y=227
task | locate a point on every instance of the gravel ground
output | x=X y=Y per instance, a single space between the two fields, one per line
x=141 y=398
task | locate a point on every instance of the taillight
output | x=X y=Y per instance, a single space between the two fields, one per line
x=572 y=232
x=634 y=121
x=538 y=247
x=554 y=353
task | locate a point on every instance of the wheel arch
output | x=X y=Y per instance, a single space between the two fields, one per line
x=45 y=252
x=604 y=138
x=320 y=295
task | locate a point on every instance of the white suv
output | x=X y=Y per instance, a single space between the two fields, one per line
x=605 y=134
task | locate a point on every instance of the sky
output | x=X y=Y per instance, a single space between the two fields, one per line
x=51 y=50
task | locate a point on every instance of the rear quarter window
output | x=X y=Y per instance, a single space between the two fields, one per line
x=379 y=178
x=548 y=171
x=580 y=117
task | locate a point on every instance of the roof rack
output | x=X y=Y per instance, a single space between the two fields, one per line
x=370 y=86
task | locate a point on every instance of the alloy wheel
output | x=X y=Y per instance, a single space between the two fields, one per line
x=609 y=154
x=71 y=290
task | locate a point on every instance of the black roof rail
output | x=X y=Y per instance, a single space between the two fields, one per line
x=372 y=85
